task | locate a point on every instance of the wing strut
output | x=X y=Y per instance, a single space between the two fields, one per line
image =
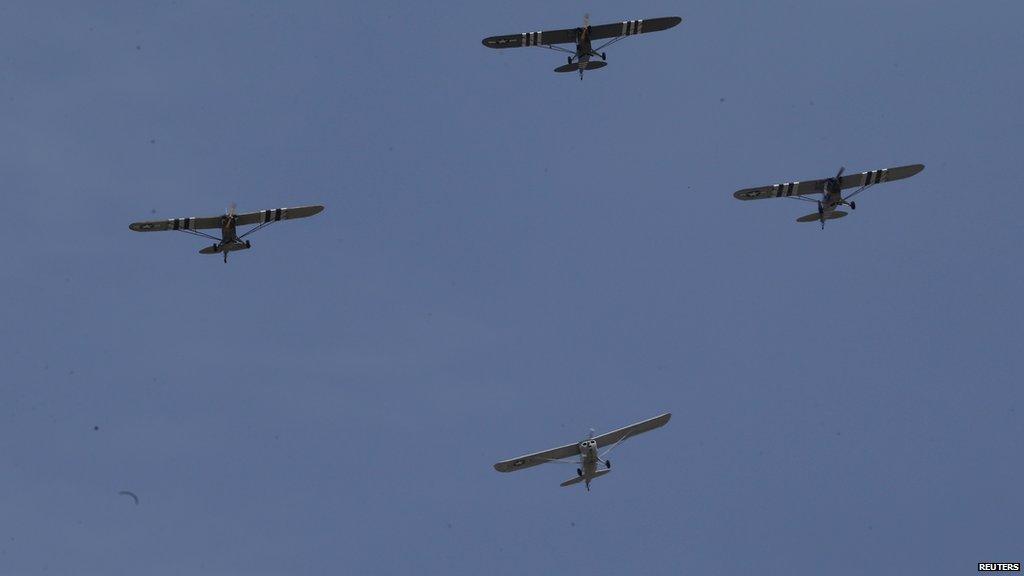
x=858 y=191
x=202 y=234
x=259 y=227
x=804 y=198
x=612 y=447
x=608 y=43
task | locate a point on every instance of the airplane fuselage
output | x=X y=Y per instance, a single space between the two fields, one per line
x=589 y=460
x=832 y=196
x=583 y=48
x=228 y=230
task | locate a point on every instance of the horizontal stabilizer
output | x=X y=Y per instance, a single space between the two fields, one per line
x=578 y=479
x=815 y=217
x=592 y=65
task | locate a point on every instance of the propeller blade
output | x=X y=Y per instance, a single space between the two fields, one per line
x=840 y=174
x=586 y=20
x=231 y=209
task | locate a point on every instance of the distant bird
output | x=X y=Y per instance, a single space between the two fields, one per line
x=132 y=494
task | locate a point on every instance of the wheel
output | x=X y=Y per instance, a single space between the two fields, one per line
x=608 y=464
x=569 y=58
x=579 y=472
x=604 y=56
x=853 y=205
x=248 y=244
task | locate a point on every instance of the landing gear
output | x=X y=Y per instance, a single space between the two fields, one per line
x=225 y=256
x=604 y=56
x=569 y=58
x=608 y=464
x=579 y=472
x=248 y=244
x=853 y=205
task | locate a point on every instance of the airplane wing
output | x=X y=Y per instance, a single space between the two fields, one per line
x=782 y=190
x=630 y=27
x=539 y=38
x=568 y=35
x=609 y=438
x=884 y=175
x=177 y=224
x=529 y=460
x=277 y=214
x=818 y=186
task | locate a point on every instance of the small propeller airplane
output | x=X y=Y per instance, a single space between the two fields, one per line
x=230 y=240
x=831 y=190
x=587 y=451
x=580 y=58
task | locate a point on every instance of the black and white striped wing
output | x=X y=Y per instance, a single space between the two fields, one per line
x=177 y=224
x=538 y=38
x=277 y=214
x=631 y=27
x=783 y=190
x=872 y=177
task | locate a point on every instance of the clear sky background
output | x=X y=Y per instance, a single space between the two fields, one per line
x=509 y=257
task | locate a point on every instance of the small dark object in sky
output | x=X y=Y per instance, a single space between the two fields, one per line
x=137 y=47
x=721 y=100
x=95 y=427
x=132 y=494
x=152 y=141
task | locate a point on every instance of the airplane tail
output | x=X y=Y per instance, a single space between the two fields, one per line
x=815 y=217
x=578 y=479
x=591 y=65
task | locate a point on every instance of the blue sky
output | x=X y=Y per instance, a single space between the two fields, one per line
x=508 y=258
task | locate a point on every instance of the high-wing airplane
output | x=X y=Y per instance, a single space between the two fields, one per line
x=587 y=452
x=831 y=190
x=580 y=58
x=229 y=240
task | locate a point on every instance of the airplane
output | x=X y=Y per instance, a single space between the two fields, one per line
x=831 y=190
x=587 y=451
x=582 y=37
x=230 y=240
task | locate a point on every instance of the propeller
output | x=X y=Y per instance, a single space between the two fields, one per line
x=586 y=21
x=840 y=173
x=231 y=209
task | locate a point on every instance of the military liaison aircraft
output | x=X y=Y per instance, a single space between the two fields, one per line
x=587 y=452
x=831 y=190
x=229 y=240
x=580 y=58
